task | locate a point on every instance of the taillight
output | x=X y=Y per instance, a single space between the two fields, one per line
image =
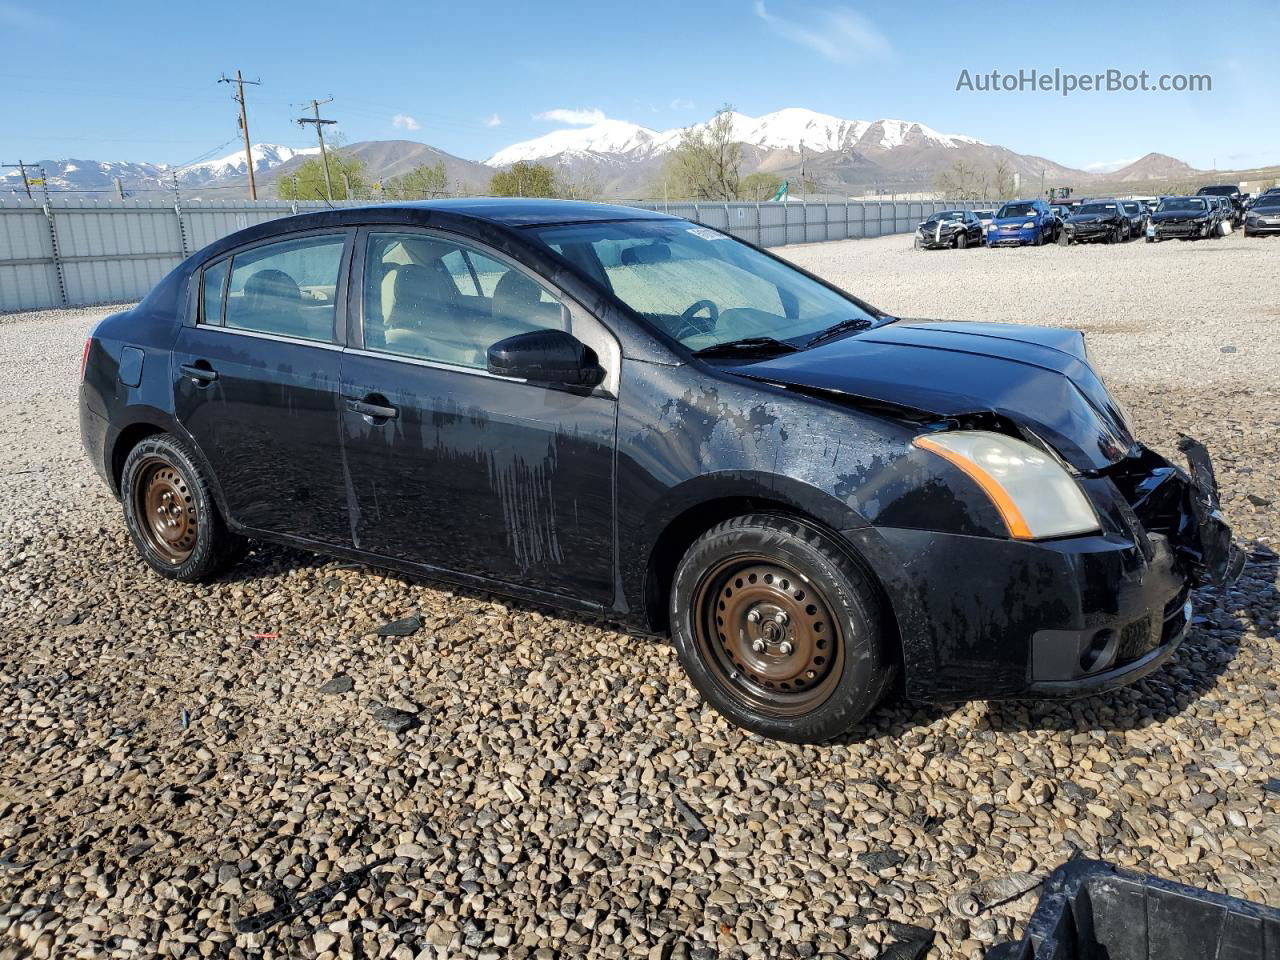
x=84 y=357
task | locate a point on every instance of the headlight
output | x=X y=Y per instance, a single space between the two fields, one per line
x=1029 y=225
x=1033 y=493
x=991 y=228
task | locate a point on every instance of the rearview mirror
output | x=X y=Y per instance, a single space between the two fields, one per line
x=546 y=356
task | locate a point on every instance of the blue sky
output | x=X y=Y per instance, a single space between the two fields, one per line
x=84 y=80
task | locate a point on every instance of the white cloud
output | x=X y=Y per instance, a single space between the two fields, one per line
x=681 y=103
x=576 y=118
x=493 y=120
x=21 y=17
x=1107 y=166
x=402 y=121
x=838 y=34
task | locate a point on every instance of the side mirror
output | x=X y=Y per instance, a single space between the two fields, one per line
x=546 y=356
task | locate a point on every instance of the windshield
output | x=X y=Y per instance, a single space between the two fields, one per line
x=948 y=215
x=1015 y=210
x=1270 y=203
x=1096 y=209
x=701 y=287
x=1181 y=205
x=1216 y=191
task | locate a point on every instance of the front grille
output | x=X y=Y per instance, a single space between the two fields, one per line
x=1135 y=640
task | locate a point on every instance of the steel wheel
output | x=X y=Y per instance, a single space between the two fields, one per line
x=166 y=507
x=768 y=635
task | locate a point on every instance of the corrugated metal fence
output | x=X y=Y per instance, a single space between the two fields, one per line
x=71 y=251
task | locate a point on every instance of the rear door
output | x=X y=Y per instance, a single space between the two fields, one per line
x=450 y=465
x=256 y=379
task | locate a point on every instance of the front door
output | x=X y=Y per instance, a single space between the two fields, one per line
x=451 y=466
x=256 y=385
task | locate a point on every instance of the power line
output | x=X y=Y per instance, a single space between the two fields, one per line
x=320 y=125
x=238 y=97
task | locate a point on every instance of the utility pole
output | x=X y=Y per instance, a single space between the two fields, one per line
x=324 y=157
x=22 y=168
x=238 y=96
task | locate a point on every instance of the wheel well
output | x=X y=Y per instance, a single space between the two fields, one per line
x=697 y=520
x=129 y=438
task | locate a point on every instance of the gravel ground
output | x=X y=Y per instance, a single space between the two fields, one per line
x=178 y=763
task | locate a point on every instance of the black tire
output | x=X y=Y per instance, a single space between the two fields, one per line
x=203 y=547
x=1064 y=239
x=918 y=245
x=844 y=686
x=962 y=241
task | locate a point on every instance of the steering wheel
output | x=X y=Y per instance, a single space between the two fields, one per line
x=695 y=327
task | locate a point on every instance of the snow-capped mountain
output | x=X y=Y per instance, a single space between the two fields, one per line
x=265 y=157
x=89 y=177
x=792 y=129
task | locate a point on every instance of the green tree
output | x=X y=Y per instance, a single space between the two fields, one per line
x=346 y=174
x=420 y=183
x=704 y=164
x=523 y=179
x=759 y=186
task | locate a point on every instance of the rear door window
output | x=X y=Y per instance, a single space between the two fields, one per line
x=289 y=288
x=213 y=286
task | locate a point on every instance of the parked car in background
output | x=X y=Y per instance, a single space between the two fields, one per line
x=1268 y=192
x=1232 y=194
x=1098 y=221
x=623 y=413
x=1182 y=218
x=1263 y=218
x=1137 y=213
x=1061 y=210
x=949 y=228
x=984 y=217
x=1023 y=222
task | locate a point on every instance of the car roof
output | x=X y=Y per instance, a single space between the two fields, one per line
x=530 y=211
x=484 y=215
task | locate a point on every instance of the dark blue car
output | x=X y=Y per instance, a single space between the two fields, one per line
x=622 y=413
x=1022 y=222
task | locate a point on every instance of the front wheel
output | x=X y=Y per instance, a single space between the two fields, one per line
x=171 y=514
x=1064 y=239
x=962 y=241
x=780 y=629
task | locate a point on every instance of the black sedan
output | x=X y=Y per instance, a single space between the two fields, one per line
x=1182 y=218
x=619 y=412
x=1097 y=221
x=951 y=228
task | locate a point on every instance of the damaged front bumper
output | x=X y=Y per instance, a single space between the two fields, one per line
x=982 y=618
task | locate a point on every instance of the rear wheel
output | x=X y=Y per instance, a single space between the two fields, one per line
x=171 y=514
x=780 y=629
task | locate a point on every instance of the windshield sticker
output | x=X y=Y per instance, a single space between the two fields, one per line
x=706 y=234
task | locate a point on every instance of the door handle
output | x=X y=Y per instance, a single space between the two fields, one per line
x=200 y=372
x=375 y=411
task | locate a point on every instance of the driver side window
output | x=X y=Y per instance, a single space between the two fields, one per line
x=435 y=299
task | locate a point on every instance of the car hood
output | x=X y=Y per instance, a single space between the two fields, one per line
x=1091 y=217
x=1009 y=221
x=1037 y=377
x=932 y=224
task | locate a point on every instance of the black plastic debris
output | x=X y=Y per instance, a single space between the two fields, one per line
x=337 y=685
x=400 y=628
x=1272 y=785
x=698 y=832
x=909 y=943
x=287 y=910
x=1091 y=910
